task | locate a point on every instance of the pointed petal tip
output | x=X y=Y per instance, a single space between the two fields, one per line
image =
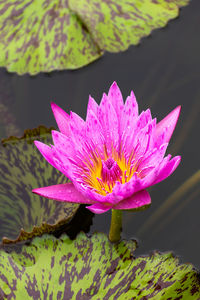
x=114 y=84
x=114 y=87
x=54 y=106
x=176 y=112
x=36 y=143
x=35 y=191
x=132 y=94
x=62 y=118
x=52 y=103
x=165 y=128
x=40 y=145
x=178 y=160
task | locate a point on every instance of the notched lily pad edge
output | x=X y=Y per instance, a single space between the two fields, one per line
x=29 y=134
x=69 y=226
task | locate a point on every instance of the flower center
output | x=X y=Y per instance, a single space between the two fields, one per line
x=102 y=173
x=110 y=172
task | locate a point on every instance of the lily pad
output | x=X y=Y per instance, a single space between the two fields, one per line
x=115 y=25
x=93 y=268
x=42 y=36
x=22 y=168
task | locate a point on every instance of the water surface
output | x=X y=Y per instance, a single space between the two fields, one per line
x=163 y=71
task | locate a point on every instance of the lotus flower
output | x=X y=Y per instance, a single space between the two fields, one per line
x=112 y=157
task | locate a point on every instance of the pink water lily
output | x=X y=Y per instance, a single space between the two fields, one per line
x=112 y=157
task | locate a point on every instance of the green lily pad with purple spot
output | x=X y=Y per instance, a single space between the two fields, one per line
x=93 y=268
x=42 y=36
x=23 y=214
x=115 y=25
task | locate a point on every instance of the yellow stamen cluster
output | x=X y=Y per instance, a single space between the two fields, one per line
x=94 y=179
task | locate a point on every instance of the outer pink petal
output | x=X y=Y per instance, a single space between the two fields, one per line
x=51 y=156
x=63 y=143
x=133 y=134
x=92 y=106
x=129 y=114
x=143 y=119
x=77 y=122
x=135 y=201
x=110 y=124
x=165 y=127
x=126 y=190
x=153 y=158
x=62 y=192
x=135 y=184
x=168 y=169
x=94 y=130
x=98 y=208
x=115 y=97
x=62 y=118
x=77 y=131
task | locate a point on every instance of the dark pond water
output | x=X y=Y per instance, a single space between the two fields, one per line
x=164 y=71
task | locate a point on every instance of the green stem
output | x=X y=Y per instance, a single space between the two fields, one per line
x=115 y=226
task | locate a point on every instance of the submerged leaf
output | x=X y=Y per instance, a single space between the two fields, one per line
x=93 y=268
x=42 y=36
x=21 y=168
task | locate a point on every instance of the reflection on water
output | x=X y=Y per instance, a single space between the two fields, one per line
x=171 y=201
x=164 y=72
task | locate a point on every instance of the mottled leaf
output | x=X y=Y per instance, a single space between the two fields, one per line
x=22 y=168
x=117 y=24
x=93 y=268
x=51 y=35
x=43 y=36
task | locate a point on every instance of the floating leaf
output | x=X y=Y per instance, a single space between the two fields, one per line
x=41 y=36
x=115 y=25
x=21 y=169
x=93 y=268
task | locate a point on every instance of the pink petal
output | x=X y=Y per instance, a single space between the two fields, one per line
x=165 y=127
x=144 y=140
x=168 y=169
x=130 y=114
x=49 y=154
x=115 y=97
x=135 y=201
x=143 y=119
x=94 y=130
x=153 y=158
x=92 y=106
x=62 y=192
x=134 y=134
x=109 y=121
x=98 y=208
x=77 y=131
x=77 y=122
x=62 y=118
x=63 y=143
x=126 y=190
x=159 y=173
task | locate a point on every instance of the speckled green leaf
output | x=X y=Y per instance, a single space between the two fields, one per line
x=41 y=36
x=93 y=268
x=22 y=168
x=117 y=24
